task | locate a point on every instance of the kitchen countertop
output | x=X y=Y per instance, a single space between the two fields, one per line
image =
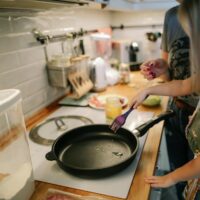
x=139 y=190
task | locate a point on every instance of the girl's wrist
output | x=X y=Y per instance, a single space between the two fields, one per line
x=147 y=91
x=174 y=178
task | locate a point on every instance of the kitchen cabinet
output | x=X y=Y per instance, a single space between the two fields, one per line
x=132 y=5
x=119 y=5
x=150 y=0
x=102 y=1
x=163 y=158
x=162 y=168
x=122 y=5
x=39 y=5
x=154 y=4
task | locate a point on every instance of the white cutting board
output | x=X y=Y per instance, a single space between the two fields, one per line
x=48 y=171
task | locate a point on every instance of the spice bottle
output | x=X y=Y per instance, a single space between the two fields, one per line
x=124 y=71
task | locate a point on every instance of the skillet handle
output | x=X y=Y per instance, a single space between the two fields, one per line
x=142 y=129
x=50 y=156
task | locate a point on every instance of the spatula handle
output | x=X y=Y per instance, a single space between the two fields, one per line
x=128 y=112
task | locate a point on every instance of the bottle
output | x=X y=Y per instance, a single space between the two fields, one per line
x=124 y=71
x=98 y=74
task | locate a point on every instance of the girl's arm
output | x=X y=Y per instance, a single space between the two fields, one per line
x=165 y=77
x=186 y=172
x=172 y=88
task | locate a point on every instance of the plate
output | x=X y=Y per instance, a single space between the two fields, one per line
x=98 y=101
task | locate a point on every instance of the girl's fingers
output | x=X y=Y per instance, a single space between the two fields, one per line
x=153 y=74
x=155 y=185
x=157 y=182
x=149 y=75
x=151 y=64
x=152 y=179
x=144 y=67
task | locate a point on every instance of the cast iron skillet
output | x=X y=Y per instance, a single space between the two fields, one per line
x=95 y=151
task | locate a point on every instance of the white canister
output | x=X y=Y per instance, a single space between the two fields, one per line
x=98 y=74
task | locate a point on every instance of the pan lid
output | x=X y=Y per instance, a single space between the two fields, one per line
x=46 y=132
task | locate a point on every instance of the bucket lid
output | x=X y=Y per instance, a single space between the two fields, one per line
x=8 y=98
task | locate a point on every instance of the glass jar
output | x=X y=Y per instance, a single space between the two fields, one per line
x=113 y=108
x=124 y=70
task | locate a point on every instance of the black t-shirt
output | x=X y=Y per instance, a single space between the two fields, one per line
x=176 y=42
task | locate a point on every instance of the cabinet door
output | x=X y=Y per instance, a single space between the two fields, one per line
x=141 y=4
x=102 y=1
x=120 y=4
x=152 y=4
x=157 y=1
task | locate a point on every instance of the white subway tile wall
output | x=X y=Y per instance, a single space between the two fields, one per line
x=23 y=60
x=7 y=64
x=149 y=21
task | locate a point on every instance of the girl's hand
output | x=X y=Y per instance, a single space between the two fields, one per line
x=139 y=98
x=154 y=68
x=160 y=181
x=147 y=70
